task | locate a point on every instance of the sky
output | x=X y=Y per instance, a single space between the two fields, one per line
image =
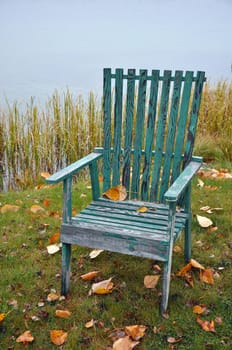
x=55 y=44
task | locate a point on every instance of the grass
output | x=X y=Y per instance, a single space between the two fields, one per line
x=28 y=274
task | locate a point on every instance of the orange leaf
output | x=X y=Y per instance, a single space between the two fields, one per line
x=2 y=317
x=8 y=207
x=199 y=309
x=207 y=276
x=36 y=209
x=206 y=325
x=58 y=337
x=117 y=193
x=189 y=279
x=142 y=210
x=124 y=343
x=150 y=281
x=46 y=203
x=63 y=313
x=136 y=332
x=185 y=269
x=54 y=238
x=89 y=276
x=25 y=338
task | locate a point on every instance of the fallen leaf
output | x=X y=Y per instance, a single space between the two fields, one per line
x=136 y=332
x=150 y=281
x=89 y=276
x=142 y=210
x=212 y=229
x=35 y=318
x=188 y=278
x=45 y=175
x=2 y=317
x=103 y=287
x=36 y=209
x=206 y=325
x=199 y=309
x=46 y=203
x=205 y=208
x=83 y=195
x=53 y=248
x=94 y=253
x=54 y=238
x=63 y=313
x=89 y=324
x=177 y=249
x=172 y=340
x=203 y=221
x=8 y=207
x=184 y=269
x=207 y=276
x=52 y=297
x=124 y=343
x=58 y=337
x=211 y=188
x=200 y=183
x=218 y=320
x=25 y=338
x=117 y=193
x=196 y=264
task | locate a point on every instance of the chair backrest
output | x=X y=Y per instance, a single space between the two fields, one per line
x=149 y=128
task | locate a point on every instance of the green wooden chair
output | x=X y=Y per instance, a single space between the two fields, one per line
x=149 y=134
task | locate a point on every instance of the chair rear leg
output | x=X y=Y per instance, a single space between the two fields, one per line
x=66 y=260
x=187 y=240
x=166 y=287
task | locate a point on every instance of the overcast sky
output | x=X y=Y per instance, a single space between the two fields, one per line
x=49 y=44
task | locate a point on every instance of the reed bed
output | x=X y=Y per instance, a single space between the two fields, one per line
x=67 y=128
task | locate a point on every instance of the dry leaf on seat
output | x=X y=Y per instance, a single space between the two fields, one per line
x=142 y=210
x=116 y=193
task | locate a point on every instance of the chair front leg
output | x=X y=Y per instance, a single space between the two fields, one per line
x=66 y=260
x=168 y=263
x=187 y=240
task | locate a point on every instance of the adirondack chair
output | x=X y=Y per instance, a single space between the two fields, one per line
x=149 y=134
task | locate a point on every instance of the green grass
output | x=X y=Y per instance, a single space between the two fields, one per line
x=28 y=274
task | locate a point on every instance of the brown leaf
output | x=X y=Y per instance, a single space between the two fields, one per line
x=150 y=281
x=25 y=338
x=54 y=238
x=184 y=269
x=52 y=297
x=206 y=325
x=203 y=221
x=207 y=276
x=58 y=337
x=89 y=276
x=177 y=249
x=124 y=343
x=172 y=340
x=46 y=203
x=136 y=332
x=117 y=193
x=188 y=278
x=142 y=210
x=103 y=287
x=36 y=209
x=63 y=313
x=196 y=264
x=8 y=207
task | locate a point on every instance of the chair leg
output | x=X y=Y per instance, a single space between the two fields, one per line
x=187 y=240
x=66 y=259
x=166 y=287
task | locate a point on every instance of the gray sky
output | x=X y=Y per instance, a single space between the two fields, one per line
x=49 y=44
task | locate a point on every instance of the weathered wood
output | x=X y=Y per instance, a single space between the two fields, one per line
x=107 y=128
x=139 y=134
x=94 y=180
x=129 y=128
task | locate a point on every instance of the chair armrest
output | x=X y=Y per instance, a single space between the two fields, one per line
x=73 y=168
x=176 y=189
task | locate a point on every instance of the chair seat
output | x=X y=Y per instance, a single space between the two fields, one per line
x=124 y=227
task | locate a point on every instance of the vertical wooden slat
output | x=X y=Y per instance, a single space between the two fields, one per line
x=150 y=134
x=181 y=127
x=171 y=133
x=117 y=126
x=160 y=134
x=128 y=128
x=139 y=133
x=194 y=117
x=107 y=128
x=94 y=180
x=67 y=200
